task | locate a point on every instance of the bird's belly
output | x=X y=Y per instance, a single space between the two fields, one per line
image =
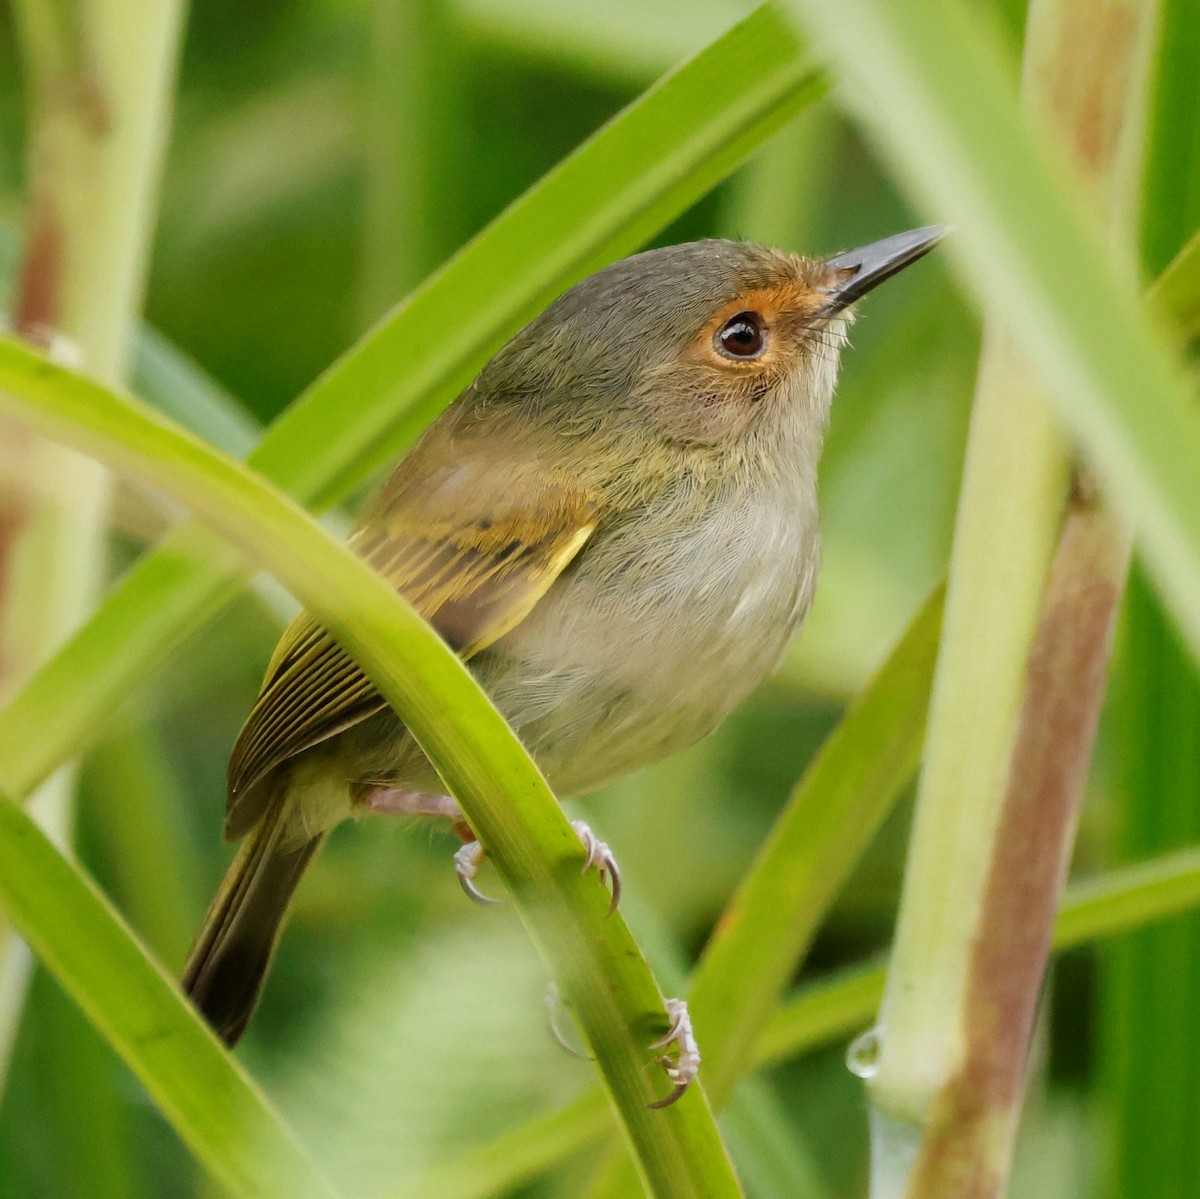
x=636 y=655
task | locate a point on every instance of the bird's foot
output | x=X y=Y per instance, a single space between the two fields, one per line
x=599 y=857
x=392 y=800
x=467 y=861
x=682 y=1067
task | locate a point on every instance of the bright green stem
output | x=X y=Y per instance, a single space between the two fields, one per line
x=526 y=833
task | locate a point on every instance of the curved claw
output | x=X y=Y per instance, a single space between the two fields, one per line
x=600 y=857
x=683 y=1068
x=467 y=861
x=676 y=1094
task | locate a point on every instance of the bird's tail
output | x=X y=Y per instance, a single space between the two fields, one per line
x=228 y=962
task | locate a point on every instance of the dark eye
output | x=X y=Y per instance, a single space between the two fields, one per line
x=742 y=336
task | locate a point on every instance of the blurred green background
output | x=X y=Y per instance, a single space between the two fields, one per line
x=305 y=192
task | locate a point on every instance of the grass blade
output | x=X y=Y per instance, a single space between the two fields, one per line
x=209 y=1101
x=1176 y=295
x=504 y=797
x=515 y=1157
x=92 y=187
x=1093 y=909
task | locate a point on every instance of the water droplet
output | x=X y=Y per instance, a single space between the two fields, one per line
x=862 y=1056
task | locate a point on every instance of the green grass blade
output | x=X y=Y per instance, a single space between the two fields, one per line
x=1176 y=295
x=934 y=93
x=775 y=1161
x=205 y=1095
x=504 y=797
x=515 y=1157
x=1129 y=898
x=641 y=170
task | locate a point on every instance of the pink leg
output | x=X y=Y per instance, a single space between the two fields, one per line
x=399 y=801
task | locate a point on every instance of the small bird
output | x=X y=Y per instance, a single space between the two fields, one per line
x=615 y=524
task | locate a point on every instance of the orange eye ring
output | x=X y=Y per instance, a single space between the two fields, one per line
x=743 y=337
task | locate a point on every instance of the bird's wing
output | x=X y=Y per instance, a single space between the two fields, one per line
x=473 y=576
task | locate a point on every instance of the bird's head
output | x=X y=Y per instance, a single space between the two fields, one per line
x=714 y=345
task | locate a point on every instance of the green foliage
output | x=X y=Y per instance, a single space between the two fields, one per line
x=138 y=1009
x=325 y=155
x=1148 y=981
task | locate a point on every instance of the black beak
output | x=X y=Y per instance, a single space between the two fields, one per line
x=856 y=272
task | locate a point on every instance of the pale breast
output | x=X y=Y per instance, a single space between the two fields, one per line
x=648 y=643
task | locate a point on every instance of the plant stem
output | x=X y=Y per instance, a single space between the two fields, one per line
x=1009 y=743
x=1011 y=500
x=99 y=78
x=969 y=1137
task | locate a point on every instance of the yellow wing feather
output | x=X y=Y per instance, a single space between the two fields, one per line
x=473 y=578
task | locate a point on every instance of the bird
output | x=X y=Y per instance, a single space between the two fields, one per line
x=615 y=525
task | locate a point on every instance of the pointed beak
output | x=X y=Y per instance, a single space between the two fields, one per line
x=856 y=272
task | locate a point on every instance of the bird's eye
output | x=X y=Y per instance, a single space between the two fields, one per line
x=742 y=336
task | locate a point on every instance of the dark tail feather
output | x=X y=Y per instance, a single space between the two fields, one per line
x=228 y=963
